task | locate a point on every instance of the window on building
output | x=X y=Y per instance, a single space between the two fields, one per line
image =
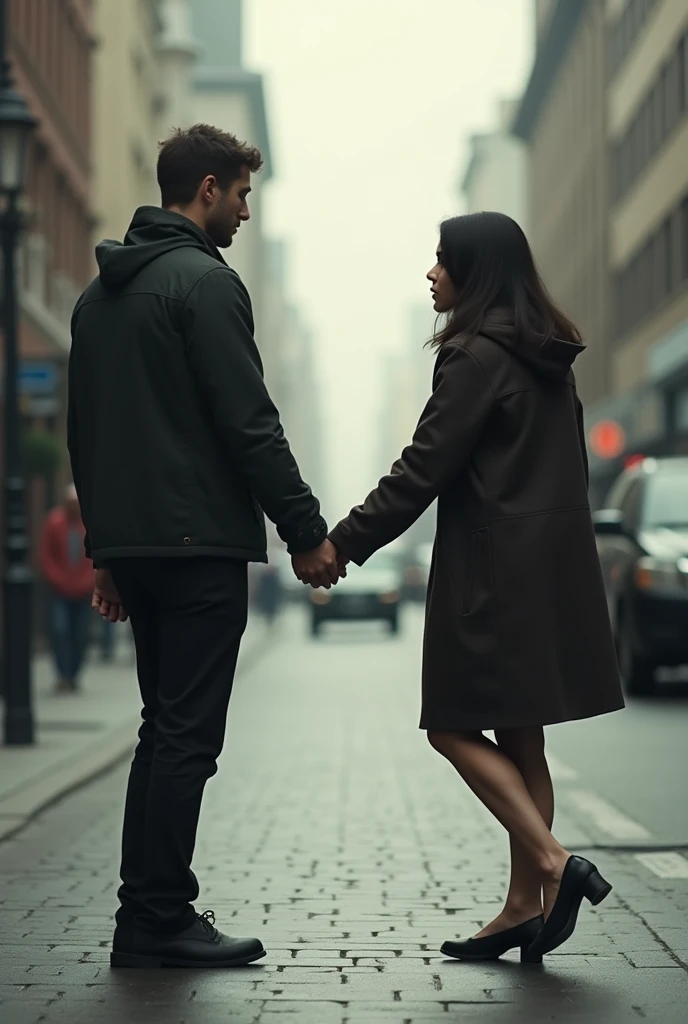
x=673 y=111
x=659 y=111
x=664 y=106
x=663 y=259
x=37 y=258
x=644 y=123
x=683 y=74
x=670 y=281
x=624 y=33
x=654 y=272
x=684 y=239
x=681 y=410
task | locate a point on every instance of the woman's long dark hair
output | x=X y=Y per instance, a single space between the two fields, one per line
x=491 y=266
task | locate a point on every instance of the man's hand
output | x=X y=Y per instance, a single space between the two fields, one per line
x=320 y=567
x=106 y=600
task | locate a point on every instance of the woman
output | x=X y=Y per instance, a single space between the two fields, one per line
x=517 y=634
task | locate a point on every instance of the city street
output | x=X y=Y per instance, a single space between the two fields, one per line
x=335 y=833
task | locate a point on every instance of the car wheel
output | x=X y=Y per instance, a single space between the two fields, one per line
x=637 y=671
x=315 y=627
x=394 y=625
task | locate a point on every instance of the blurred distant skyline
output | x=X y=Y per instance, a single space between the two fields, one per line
x=370 y=108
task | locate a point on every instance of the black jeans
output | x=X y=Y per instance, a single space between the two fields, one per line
x=188 y=616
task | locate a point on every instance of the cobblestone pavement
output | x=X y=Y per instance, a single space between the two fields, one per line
x=79 y=735
x=336 y=834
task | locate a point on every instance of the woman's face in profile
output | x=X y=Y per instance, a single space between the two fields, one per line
x=442 y=289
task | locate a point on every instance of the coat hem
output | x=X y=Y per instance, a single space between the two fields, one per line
x=468 y=723
x=103 y=555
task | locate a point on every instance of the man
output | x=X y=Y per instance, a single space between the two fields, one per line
x=69 y=575
x=176 y=447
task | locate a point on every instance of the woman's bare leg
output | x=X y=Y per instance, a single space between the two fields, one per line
x=526 y=748
x=499 y=784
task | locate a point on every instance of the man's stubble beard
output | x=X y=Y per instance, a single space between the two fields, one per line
x=220 y=232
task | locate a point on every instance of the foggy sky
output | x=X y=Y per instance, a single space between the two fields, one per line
x=370 y=106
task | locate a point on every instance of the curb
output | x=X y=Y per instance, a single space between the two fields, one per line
x=22 y=805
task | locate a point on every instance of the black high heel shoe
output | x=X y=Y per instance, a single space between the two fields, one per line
x=491 y=947
x=580 y=879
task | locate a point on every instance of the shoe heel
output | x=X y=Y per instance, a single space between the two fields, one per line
x=133 y=960
x=529 y=958
x=596 y=888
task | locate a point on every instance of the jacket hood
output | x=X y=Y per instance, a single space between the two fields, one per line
x=551 y=357
x=152 y=233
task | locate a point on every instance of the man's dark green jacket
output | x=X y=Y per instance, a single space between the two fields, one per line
x=176 y=447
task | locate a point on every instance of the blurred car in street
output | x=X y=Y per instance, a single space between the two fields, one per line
x=415 y=581
x=292 y=588
x=417 y=563
x=642 y=539
x=370 y=592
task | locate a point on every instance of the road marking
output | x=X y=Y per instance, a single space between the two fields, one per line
x=559 y=771
x=607 y=817
x=666 y=865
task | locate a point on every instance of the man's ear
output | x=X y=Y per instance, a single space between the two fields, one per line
x=207 y=189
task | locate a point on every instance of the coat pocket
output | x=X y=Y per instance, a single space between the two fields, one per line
x=258 y=513
x=480 y=577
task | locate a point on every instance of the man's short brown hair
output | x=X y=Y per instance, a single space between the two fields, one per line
x=189 y=156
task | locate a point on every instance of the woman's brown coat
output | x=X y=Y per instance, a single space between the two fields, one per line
x=517 y=632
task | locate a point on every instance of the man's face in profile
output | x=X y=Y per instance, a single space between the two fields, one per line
x=229 y=210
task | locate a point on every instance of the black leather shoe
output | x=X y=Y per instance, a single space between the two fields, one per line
x=491 y=947
x=200 y=945
x=580 y=879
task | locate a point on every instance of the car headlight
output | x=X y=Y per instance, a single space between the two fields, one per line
x=320 y=597
x=390 y=598
x=661 y=574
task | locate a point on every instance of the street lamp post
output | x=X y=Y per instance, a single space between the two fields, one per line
x=16 y=125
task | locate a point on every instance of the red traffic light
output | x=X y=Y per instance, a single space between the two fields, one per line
x=607 y=439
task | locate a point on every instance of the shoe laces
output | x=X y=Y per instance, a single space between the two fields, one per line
x=207 y=919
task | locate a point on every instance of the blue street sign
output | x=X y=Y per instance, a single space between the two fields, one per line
x=37 y=378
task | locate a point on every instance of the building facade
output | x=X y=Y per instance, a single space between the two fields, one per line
x=406 y=387
x=496 y=177
x=51 y=56
x=648 y=146
x=605 y=114
x=291 y=374
x=231 y=98
x=127 y=108
x=562 y=118
x=177 y=54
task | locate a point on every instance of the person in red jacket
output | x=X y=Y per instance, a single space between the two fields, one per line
x=69 y=575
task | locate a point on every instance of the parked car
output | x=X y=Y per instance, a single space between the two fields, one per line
x=372 y=591
x=293 y=590
x=417 y=573
x=642 y=539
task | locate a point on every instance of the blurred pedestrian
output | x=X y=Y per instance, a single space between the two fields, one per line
x=106 y=640
x=270 y=594
x=517 y=632
x=177 y=450
x=69 y=575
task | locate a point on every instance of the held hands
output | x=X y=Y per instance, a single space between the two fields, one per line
x=322 y=567
x=106 y=600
